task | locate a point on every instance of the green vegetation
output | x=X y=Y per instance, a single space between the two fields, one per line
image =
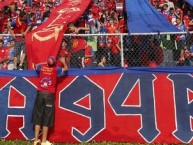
x=17 y=142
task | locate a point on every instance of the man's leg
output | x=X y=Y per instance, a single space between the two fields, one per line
x=15 y=62
x=45 y=133
x=37 y=131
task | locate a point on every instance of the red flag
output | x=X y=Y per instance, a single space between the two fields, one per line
x=46 y=39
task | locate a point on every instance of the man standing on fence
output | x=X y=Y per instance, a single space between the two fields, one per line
x=43 y=111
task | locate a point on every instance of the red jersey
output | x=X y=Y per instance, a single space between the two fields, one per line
x=19 y=27
x=187 y=21
x=115 y=41
x=78 y=43
x=95 y=12
x=111 y=28
x=88 y=51
x=122 y=26
x=2 y=53
x=48 y=76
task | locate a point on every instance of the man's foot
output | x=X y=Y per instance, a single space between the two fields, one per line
x=37 y=142
x=46 y=143
x=20 y=67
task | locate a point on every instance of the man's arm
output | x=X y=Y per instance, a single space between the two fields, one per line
x=63 y=61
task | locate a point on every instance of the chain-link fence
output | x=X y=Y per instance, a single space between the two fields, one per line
x=136 y=50
x=140 y=50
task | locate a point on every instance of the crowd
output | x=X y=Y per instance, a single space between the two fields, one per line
x=102 y=16
x=179 y=13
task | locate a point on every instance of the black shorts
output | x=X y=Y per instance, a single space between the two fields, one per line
x=43 y=111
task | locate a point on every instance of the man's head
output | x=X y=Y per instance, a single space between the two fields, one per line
x=71 y=27
x=51 y=61
x=1 y=43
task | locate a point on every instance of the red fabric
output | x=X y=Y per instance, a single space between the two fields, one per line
x=78 y=43
x=47 y=78
x=2 y=53
x=88 y=51
x=4 y=3
x=19 y=27
x=115 y=41
x=46 y=39
x=187 y=21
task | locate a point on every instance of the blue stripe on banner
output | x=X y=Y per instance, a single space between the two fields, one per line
x=99 y=71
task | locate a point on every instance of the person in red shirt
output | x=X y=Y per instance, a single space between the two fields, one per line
x=43 y=111
x=115 y=51
x=2 y=53
x=172 y=16
x=19 y=27
x=112 y=27
x=122 y=25
x=78 y=46
x=188 y=21
x=64 y=52
x=179 y=12
x=89 y=53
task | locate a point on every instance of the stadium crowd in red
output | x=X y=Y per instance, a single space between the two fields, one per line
x=102 y=16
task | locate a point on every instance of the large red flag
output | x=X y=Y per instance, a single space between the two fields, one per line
x=46 y=39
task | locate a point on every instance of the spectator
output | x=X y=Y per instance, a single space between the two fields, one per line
x=46 y=14
x=115 y=51
x=181 y=39
x=2 y=53
x=170 y=4
x=19 y=27
x=78 y=46
x=9 y=56
x=89 y=54
x=172 y=16
x=165 y=10
x=179 y=12
x=185 y=57
x=112 y=27
x=102 y=62
x=65 y=52
x=188 y=21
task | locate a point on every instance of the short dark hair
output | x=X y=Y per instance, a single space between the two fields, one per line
x=1 y=41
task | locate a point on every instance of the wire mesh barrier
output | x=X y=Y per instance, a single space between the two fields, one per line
x=136 y=50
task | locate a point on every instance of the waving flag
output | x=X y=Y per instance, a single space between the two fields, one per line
x=144 y=18
x=190 y=2
x=46 y=39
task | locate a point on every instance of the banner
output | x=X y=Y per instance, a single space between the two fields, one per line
x=142 y=17
x=116 y=105
x=190 y=2
x=46 y=39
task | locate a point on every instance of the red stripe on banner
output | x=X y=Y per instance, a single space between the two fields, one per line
x=46 y=39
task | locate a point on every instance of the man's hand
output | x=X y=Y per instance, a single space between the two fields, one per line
x=63 y=61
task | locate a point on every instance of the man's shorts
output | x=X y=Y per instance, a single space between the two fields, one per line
x=19 y=46
x=43 y=111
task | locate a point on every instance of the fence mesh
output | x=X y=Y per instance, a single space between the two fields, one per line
x=135 y=50
x=149 y=50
